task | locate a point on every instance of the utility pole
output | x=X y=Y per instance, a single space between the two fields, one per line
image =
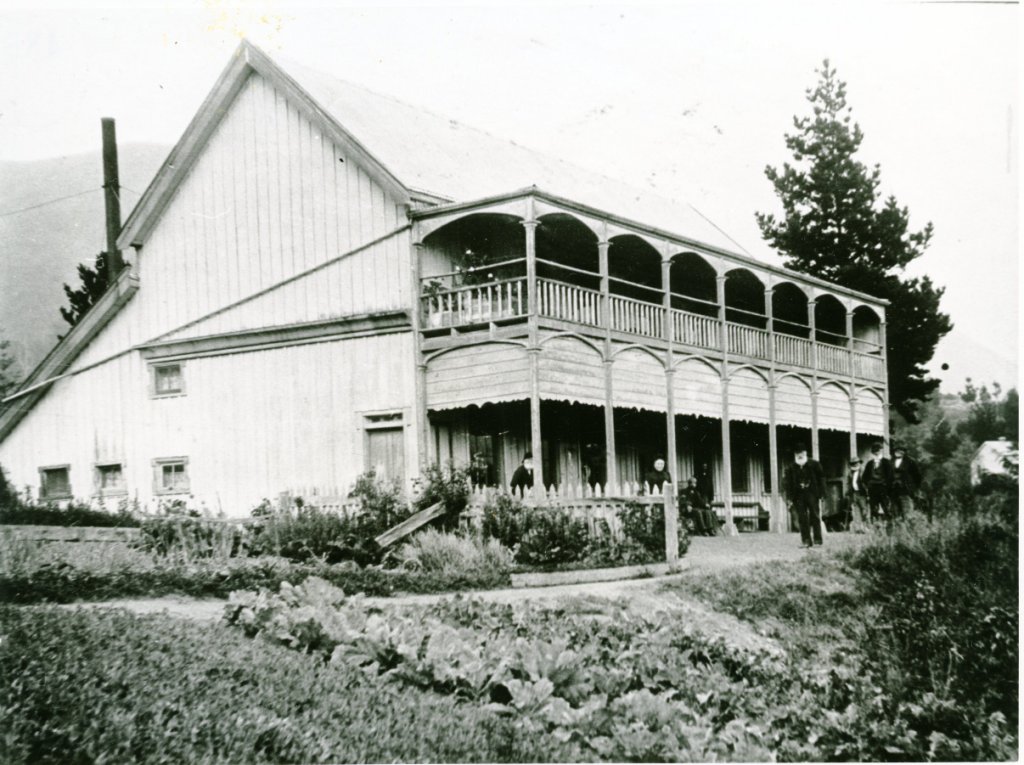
x=111 y=196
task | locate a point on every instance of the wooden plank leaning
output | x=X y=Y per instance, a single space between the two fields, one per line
x=409 y=525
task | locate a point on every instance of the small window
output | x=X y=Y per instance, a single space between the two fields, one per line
x=110 y=479
x=168 y=380
x=55 y=482
x=171 y=476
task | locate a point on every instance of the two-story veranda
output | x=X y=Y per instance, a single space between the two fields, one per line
x=548 y=326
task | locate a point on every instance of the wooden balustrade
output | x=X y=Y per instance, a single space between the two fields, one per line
x=694 y=329
x=747 y=341
x=636 y=317
x=475 y=304
x=832 y=358
x=793 y=350
x=565 y=301
x=507 y=299
x=868 y=366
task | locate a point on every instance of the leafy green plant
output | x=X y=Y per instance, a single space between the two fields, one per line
x=448 y=485
x=446 y=553
x=15 y=511
x=92 y=686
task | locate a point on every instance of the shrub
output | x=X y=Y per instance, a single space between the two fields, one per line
x=445 y=553
x=89 y=686
x=311 y=532
x=17 y=512
x=538 y=536
x=449 y=486
x=645 y=525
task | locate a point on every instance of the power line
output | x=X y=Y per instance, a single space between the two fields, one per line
x=49 y=202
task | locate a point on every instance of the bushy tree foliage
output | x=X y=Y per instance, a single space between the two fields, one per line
x=835 y=226
x=93 y=283
x=992 y=415
x=10 y=371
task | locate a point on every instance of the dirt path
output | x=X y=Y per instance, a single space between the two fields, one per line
x=640 y=595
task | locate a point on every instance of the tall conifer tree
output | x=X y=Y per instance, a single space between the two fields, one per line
x=834 y=226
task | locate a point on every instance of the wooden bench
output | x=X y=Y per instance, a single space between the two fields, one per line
x=755 y=519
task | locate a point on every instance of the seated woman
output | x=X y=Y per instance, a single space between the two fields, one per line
x=698 y=510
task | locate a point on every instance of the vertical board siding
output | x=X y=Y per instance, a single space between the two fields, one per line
x=697 y=389
x=270 y=197
x=638 y=381
x=479 y=374
x=748 y=396
x=870 y=413
x=251 y=424
x=793 y=402
x=833 y=408
x=571 y=370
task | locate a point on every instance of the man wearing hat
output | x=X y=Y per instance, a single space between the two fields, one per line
x=856 y=497
x=877 y=478
x=906 y=480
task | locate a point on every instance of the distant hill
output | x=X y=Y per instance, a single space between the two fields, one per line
x=41 y=248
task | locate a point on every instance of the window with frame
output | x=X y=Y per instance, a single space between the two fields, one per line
x=168 y=379
x=170 y=475
x=55 y=482
x=110 y=479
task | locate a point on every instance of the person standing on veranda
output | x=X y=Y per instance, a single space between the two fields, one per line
x=804 y=486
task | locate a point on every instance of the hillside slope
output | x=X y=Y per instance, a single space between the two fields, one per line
x=40 y=248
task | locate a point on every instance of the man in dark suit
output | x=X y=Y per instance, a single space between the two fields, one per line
x=696 y=507
x=522 y=478
x=856 y=497
x=804 y=486
x=906 y=480
x=878 y=478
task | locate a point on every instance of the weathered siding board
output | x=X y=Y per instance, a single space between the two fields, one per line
x=479 y=374
x=571 y=370
x=793 y=403
x=833 y=408
x=638 y=381
x=748 y=396
x=697 y=389
x=870 y=413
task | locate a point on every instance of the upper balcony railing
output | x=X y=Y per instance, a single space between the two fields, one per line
x=503 y=300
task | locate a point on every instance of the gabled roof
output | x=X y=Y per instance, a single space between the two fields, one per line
x=412 y=152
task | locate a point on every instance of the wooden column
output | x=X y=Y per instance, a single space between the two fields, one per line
x=730 y=525
x=611 y=461
x=885 y=366
x=814 y=423
x=533 y=349
x=777 y=514
x=671 y=458
x=778 y=506
x=812 y=321
x=421 y=421
x=853 y=383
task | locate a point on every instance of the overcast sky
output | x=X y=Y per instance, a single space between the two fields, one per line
x=692 y=100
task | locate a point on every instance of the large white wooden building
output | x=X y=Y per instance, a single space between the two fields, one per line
x=324 y=280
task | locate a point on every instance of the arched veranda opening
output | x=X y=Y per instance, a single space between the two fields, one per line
x=830 y=321
x=694 y=284
x=744 y=299
x=867 y=330
x=790 y=310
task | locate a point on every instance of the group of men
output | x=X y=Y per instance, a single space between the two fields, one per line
x=880 y=490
